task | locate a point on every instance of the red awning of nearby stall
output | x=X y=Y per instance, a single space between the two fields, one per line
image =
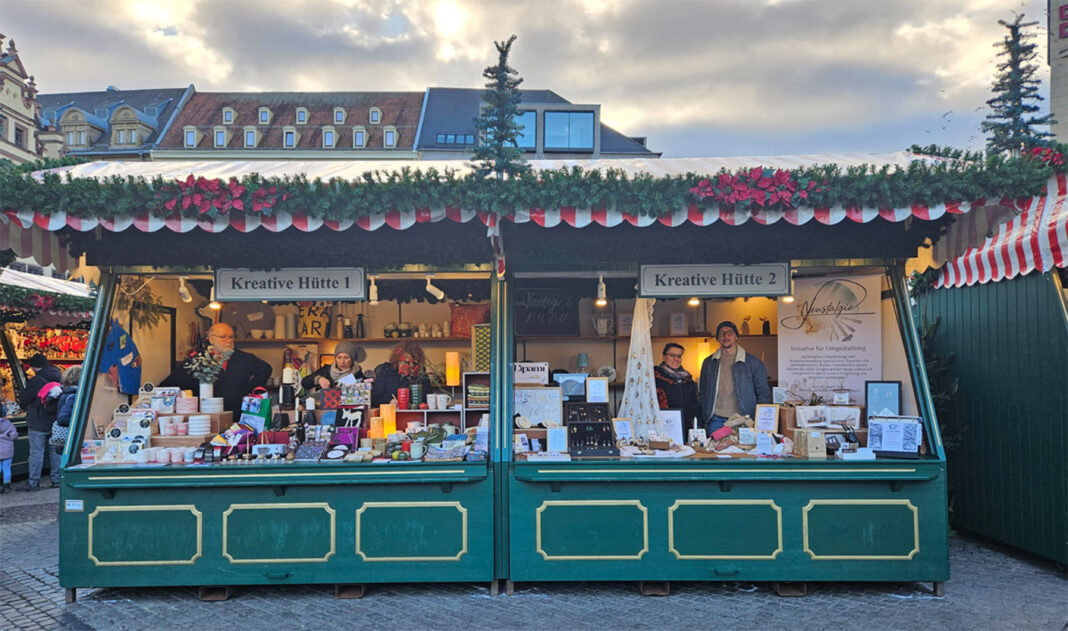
x=1034 y=239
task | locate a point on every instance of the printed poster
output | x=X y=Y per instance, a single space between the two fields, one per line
x=830 y=337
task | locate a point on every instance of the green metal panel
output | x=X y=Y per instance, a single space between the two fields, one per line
x=745 y=520
x=1008 y=478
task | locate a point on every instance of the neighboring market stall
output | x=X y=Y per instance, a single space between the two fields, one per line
x=531 y=251
x=38 y=314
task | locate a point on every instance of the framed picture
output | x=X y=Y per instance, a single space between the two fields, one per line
x=767 y=418
x=557 y=439
x=678 y=324
x=571 y=384
x=597 y=390
x=625 y=322
x=811 y=415
x=624 y=428
x=672 y=422
x=882 y=398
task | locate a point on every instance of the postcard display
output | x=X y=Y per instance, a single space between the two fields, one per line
x=351 y=494
x=795 y=494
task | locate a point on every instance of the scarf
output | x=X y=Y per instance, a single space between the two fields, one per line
x=336 y=374
x=678 y=376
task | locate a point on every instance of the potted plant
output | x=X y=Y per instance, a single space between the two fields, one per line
x=205 y=367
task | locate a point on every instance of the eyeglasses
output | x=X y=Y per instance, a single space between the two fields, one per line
x=674 y=355
x=223 y=337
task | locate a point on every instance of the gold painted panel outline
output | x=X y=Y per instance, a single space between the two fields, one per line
x=300 y=505
x=149 y=508
x=860 y=557
x=611 y=557
x=756 y=557
x=366 y=505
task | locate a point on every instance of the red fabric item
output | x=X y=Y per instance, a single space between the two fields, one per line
x=463 y=316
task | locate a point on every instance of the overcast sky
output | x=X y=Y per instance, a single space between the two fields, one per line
x=699 y=78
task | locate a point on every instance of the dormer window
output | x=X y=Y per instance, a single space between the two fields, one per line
x=252 y=137
x=220 y=137
x=375 y=116
x=190 y=137
x=133 y=136
x=290 y=137
x=302 y=116
x=329 y=137
x=264 y=116
x=359 y=138
x=339 y=116
x=81 y=138
x=70 y=137
x=120 y=137
x=389 y=137
x=228 y=116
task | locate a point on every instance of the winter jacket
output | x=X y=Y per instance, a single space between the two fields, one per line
x=750 y=383
x=66 y=405
x=311 y=382
x=672 y=393
x=244 y=372
x=37 y=418
x=8 y=436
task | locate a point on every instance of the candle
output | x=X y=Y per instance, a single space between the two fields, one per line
x=376 y=427
x=452 y=369
x=389 y=419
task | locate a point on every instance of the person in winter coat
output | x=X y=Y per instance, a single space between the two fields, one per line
x=347 y=358
x=675 y=387
x=70 y=379
x=406 y=366
x=8 y=436
x=39 y=421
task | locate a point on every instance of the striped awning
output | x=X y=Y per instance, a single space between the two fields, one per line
x=1035 y=239
x=42 y=246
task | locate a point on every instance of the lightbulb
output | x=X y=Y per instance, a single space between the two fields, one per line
x=787 y=298
x=372 y=292
x=214 y=305
x=183 y=291
x=432 y=290
x=694 y=302
x=602 y=297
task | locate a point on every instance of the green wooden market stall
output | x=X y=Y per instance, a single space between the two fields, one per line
x=558 y=229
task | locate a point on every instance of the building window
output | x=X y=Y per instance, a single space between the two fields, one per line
x=389 y=137
x=339 y=116
x=190 y=137
x=133 y=136
x=220 y=138
x=81 y=138
x=528 y=137
x=20 y=136
x=289 y=138
x=375 y=116
x=302 y=116
x=469 y=139
x=121 y=137
x=70 y=137
x=250 y=138
x=359 y=138
x=328 y=138
x=569 y=130
x=228 y=116
x=265 y=116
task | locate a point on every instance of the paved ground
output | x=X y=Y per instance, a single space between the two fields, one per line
x=991 y=589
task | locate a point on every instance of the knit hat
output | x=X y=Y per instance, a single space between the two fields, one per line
x=729 y=325
x=38 y=361
x=355 y=352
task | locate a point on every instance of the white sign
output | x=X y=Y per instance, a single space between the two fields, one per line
x=830 y=337
x=557 y=439
x=673 y=281
x=292 y=283
x=531 y=372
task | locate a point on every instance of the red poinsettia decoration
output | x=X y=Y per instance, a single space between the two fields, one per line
x=1047 y=155
x=213 y=197
x=410 y=368
x=766 y=188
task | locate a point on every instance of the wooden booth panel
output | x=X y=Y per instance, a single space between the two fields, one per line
x=710 y=529
x=411 y=531
x=279 y=533
x=145 y=535
x=592 y=530
x=861 y=530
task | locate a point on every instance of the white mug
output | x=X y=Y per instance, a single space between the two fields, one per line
x=417 y=450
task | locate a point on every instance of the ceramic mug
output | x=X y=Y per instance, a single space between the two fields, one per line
x=417 y=450
x=450 y=429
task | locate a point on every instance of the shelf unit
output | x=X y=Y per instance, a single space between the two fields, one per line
x=357 y=340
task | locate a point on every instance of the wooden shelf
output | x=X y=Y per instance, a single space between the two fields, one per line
x=609 y=338
x=355 y=340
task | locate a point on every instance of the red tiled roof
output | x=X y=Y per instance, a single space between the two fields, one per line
x=205 y=109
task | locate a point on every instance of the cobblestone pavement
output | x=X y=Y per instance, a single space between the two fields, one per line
x=990 y=589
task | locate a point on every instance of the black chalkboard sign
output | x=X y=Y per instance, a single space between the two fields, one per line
x=541 y=311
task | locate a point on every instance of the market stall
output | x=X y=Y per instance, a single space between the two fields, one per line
x=545 y=250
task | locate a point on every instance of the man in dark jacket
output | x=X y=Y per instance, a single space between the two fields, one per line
x=241 y=373
x=39 y=421
x=732 y=381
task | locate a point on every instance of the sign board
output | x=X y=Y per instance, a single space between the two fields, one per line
x=541 y=311
x=674 y=281
x=543 y=406
x=531 y=372
x=291 y=283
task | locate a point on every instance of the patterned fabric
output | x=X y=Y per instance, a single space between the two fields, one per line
x=639 y=396
x=480 y=346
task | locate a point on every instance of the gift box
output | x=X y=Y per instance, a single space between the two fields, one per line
x=331 y=398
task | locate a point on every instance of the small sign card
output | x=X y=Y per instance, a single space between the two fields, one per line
x=767 y=418
x=624 y=429
x=557 y=440
x=531 y=372
x=765 y=444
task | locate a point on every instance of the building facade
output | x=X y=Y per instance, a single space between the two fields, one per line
x=24 y=136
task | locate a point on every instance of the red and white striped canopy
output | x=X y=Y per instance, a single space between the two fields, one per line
x=1035 y=239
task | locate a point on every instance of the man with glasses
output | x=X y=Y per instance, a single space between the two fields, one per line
x=732 y=381
x=675 y=387
x=241 y=373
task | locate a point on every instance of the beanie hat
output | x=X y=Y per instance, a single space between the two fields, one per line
x=38 y=361
x=355 y=352
x=729 y=325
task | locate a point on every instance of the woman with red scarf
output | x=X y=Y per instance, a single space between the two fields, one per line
x=675 y=387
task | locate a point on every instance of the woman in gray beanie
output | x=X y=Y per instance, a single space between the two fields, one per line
x=347 y=358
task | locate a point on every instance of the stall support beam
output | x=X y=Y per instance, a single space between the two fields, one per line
x=501 y=411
